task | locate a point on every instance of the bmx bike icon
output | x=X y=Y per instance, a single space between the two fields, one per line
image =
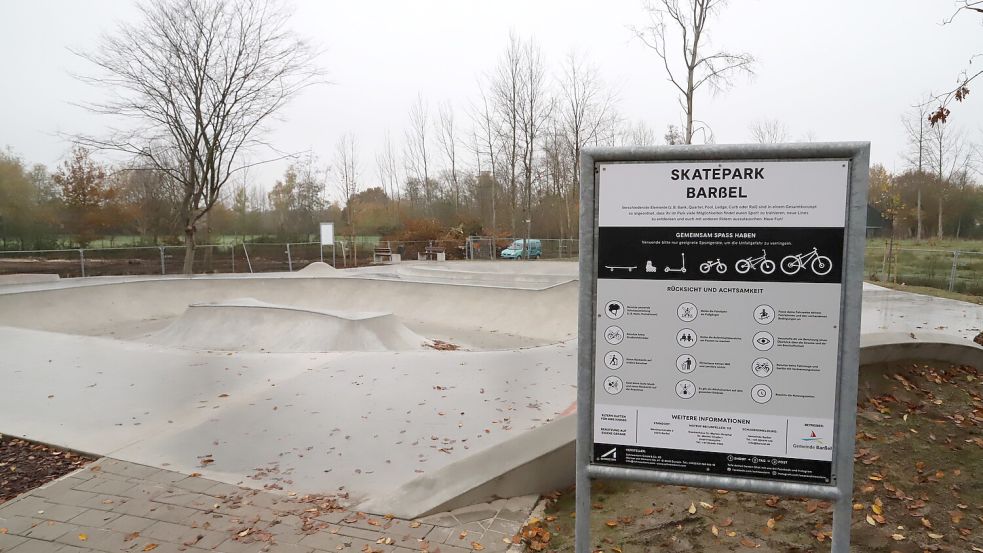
x=762 y=263
x=819 y=264
x=720 y=266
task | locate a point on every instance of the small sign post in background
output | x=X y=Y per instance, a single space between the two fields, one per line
x=719 y=324
x=327 y=237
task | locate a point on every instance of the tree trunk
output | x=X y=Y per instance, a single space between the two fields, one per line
x=940 y=218
x=919 y=212
x=189 y=249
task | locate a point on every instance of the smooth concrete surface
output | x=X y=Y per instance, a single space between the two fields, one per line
x=247 y=324
x=406 y=431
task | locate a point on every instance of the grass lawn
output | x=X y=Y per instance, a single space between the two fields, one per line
x=917 y=484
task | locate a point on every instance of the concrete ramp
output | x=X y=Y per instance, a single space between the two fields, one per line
x=247 y=324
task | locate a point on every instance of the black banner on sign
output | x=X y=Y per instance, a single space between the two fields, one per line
x=703 y=462
x=721 y=253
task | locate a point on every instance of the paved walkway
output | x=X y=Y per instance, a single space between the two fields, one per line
x=118 y=506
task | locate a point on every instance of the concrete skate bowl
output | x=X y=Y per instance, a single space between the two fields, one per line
x=320 y=378
x=512 y=274
x=473 y=317
x=250 y=325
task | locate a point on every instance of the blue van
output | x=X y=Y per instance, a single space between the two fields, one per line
x=516 y=250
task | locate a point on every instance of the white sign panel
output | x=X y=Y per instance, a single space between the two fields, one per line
x=327 y=234
x=718 y=316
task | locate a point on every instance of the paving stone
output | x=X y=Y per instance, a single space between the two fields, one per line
x=105 y=485
x=166 y=477
x=474 y=513
x=494 y=541
x=61 y=513
x=170 y=513
x=71 y=497
x=195 y=484
x=439 y=534
x=445 y=548
x=232 y=546
x=104 y=502
x=503 y=526
x=360 y=533
x=36 y=546
x=188 y=499
x=25 y=506
x=57 y=487
x=129 y=523
x=17 y=524
x=446 y=520
x=473 y=529
x=127 y=469
x=49 y=530
x=137 y=507
x=92 y=535
x=402 y=528
x=220 y=489
x=334 y=517
x=288 y=548
x=325 y=541
x=9 y=541
x=166 y=531
x=95 y=518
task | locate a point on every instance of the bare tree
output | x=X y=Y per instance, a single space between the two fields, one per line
x=917 y=127
x=586 y=113
x=687 y=64
x=966 y=76
x=507 y=86
x=636 y=134
x=346 y=168
x=195 y=82
x=417 y=148
x=486 y=145
x=948 y=155
x=389 y=173
x=536 y=107
x=447 y=139
x=769 y=131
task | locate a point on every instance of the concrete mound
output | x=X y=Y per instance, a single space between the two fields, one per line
x=247 y=324
x=318 y=268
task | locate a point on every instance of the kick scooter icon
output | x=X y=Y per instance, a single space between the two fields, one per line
x=681 y=269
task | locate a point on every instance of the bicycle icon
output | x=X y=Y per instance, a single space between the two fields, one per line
x=762 y=263
x=820 y=264
x=709 y=264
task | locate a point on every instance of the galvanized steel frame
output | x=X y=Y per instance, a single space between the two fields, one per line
x=858 y=155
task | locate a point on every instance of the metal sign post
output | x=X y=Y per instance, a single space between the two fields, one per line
x=719 y=329
x=327 y=237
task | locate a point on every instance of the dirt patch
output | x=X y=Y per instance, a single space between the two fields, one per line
x=25 y=465
x=917 y=484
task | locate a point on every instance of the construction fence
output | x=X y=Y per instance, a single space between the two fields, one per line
x=952 y=270
x=252 y=257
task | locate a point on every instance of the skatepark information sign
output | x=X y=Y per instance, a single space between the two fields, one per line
x=719 y=325
x=718 y=289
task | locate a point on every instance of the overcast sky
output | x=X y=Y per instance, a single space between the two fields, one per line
x=831 y=70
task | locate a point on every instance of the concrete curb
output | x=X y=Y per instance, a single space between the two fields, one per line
x=536 y=461
x=885 y=347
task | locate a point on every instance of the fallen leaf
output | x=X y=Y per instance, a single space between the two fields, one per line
x=692 y=508
x=770 y=523
x=649 y=512
x=714 y=531
x=131 y=536
x=477 y=546
x=83 y=537
x=749 y=543
x=414 y=524
x=727 y=522
x=150 y=547
x=611 y=524
x=897 y=537
x=871 y=521
x=926 y=523
x=935 y=536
